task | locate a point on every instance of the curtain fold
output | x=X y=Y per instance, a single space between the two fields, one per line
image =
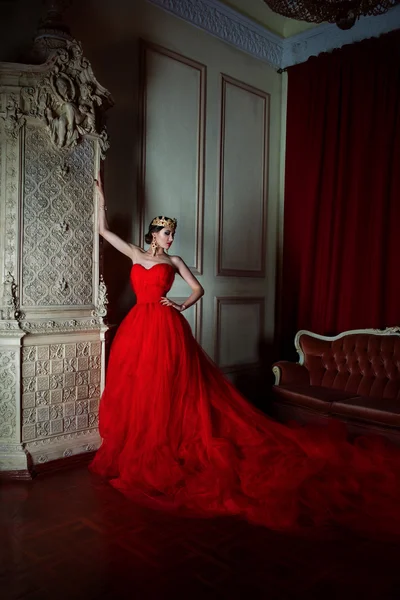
x=341 y=259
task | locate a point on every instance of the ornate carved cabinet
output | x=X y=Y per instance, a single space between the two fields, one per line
x=52 y=297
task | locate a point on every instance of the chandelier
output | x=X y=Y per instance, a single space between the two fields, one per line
x=342 y=12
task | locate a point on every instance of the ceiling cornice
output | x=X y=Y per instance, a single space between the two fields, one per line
x=228 y=25
x=243 y=33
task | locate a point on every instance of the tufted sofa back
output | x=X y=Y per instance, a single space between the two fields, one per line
x=361 y=363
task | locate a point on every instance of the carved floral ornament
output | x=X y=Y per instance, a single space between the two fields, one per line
x=11 y=310
x=67 y=98
x=14 y=119
x=101 y=307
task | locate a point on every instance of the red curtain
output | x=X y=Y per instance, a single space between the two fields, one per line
x=341 y=261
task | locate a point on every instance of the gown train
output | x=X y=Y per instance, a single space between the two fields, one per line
x=177 y=434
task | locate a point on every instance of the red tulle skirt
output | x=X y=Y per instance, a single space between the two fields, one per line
x=176 y=434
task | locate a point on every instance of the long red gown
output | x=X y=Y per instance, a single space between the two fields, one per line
x=176 y=433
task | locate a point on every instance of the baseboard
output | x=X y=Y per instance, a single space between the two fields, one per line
x=53 y=466
x=62 y=464
x=15 y=475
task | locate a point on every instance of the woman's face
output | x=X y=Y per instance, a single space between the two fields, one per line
x=164 y=238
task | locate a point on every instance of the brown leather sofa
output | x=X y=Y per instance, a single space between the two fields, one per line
x=354 y=377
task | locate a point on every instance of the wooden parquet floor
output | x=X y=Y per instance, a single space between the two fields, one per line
x=70 y=535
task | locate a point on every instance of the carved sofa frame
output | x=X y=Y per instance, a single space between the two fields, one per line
x=353 y=377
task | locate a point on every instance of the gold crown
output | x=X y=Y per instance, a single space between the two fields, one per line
x=164 y=222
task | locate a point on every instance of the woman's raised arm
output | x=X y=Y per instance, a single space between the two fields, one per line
x=112 y=238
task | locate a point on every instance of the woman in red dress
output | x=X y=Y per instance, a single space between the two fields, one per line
x=177 y=434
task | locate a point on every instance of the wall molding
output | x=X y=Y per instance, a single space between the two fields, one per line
x=145 y=48
x=243 y=33
x=226 y=80
x=219 y=303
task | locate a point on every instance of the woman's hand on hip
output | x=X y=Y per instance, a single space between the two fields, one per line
x=167 y=302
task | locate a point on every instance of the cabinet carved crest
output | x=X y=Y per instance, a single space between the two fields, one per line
x=68 y=99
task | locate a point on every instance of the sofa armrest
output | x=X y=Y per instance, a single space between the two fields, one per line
x=287 y=372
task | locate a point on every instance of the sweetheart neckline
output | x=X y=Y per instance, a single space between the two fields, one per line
x=156 y=265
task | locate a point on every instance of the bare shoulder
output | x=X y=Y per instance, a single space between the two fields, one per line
x=177 y=261
x=186 y=273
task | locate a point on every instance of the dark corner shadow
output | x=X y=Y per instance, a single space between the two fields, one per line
x=256 y=383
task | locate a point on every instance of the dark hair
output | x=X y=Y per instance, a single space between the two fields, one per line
x=148 y=238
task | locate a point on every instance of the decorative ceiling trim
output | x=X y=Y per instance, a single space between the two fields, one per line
x=243 y=33
x=228 y=25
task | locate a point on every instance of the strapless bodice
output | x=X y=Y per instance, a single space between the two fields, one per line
x=150 y=284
